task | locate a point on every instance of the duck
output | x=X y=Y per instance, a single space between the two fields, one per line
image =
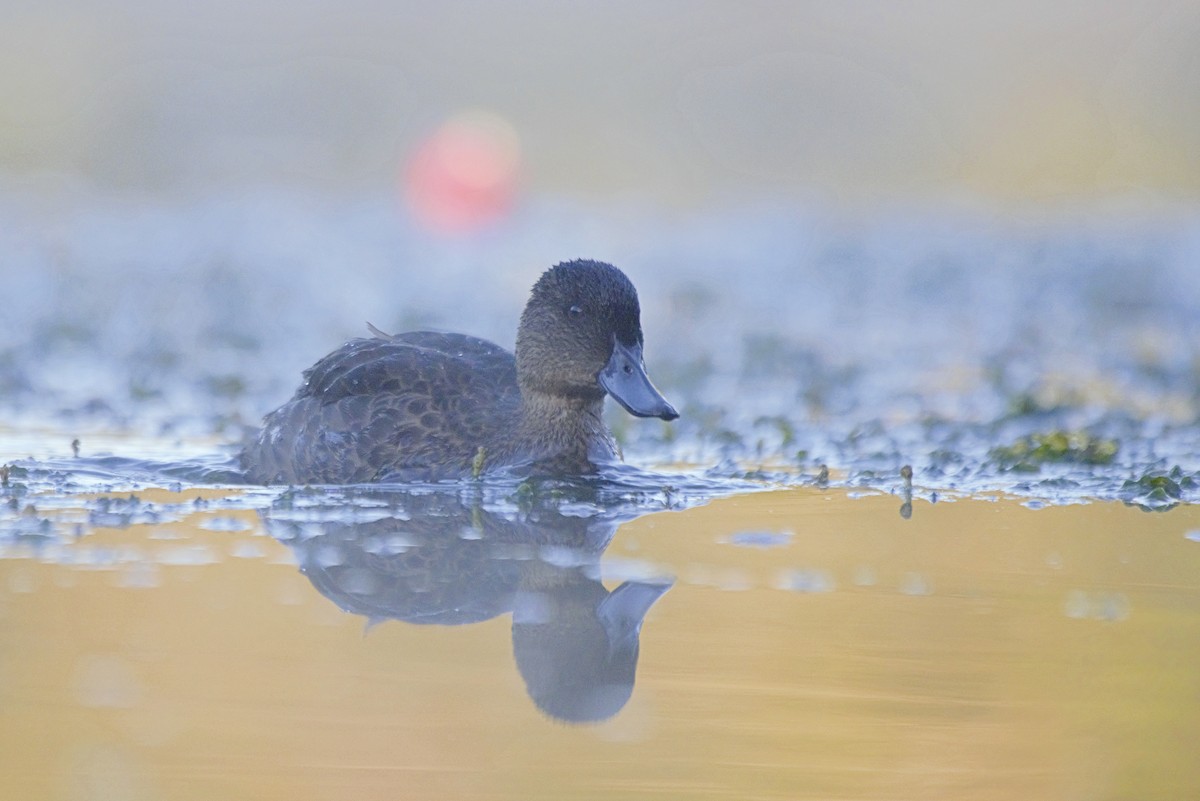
x=432 y=406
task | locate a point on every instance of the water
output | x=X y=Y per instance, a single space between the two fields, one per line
x=788 y=338
x=795 y=644
x=758 y=604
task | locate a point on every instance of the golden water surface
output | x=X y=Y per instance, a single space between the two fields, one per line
x=814 y=646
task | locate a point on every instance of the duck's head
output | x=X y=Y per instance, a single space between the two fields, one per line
x=581 y=336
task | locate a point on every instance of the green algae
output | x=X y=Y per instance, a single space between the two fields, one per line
x=1157 y=490
x=1029 y=453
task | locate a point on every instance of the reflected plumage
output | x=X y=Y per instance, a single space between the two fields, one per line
x=424 y=405
x=428 y=558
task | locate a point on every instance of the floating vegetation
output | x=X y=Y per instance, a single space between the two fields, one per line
x=1158 y=490
x=11 y=481
x=225 y=386
x=1029 y=453
x=781 y=426
x=1026 y=404
x=1021 y=380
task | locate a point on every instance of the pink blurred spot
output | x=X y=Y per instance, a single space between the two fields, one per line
x=464 y=175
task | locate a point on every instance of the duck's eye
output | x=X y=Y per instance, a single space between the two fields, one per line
x=575 y=311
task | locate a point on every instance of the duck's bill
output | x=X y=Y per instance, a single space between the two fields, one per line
x=624 y=377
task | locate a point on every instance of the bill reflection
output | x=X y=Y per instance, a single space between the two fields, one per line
x=436 y=559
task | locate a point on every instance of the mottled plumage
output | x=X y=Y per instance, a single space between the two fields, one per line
x=427 y=405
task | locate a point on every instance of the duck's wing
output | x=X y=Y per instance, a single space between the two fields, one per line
x=419 y=404
x=410 y=363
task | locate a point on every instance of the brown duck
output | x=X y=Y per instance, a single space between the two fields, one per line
x=429 y=406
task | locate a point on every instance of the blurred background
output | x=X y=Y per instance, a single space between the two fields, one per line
x=668 y=102
x=844 y=218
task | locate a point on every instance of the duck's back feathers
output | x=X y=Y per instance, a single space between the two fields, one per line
x=412 y=363
x=415 y=405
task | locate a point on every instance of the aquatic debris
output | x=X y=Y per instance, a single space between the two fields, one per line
x=906 y=475
x=1029 y=453
x=1157 y=490
x=9 y=481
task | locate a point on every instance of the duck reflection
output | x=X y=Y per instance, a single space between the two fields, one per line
x=434 y=558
